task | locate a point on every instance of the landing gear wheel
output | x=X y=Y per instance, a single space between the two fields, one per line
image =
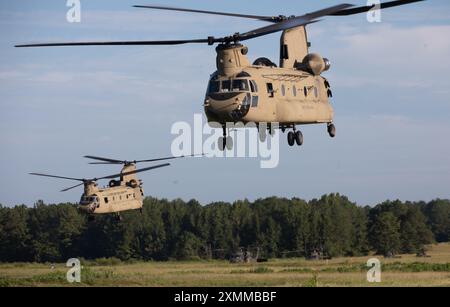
x=291 y=138
x=299 y=138
x=229 y=142
x=262 y=135
x=222 y=143
x=331 y=130
x=271 y=130
x=225 y=143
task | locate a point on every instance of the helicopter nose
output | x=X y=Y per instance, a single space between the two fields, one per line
x=87 y=209
x=228 y=106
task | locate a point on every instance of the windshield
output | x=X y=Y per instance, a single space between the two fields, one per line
x=240 y=85
x=237 y=85
x=214 y=86
x=88 y=199
x=226 y=86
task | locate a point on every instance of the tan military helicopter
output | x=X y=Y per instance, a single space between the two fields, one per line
x=121 y=195
x=293 y=94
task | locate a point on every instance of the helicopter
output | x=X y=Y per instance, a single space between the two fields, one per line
x=295 y=93
x=123 y=193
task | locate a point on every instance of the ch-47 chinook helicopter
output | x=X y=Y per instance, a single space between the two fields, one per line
x=295 y=93
x=123 y=194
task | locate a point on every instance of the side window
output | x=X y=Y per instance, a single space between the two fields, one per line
x=283 y=90
x=305 y=90
x=253 y=86
x=106 y=200
x=255 y=100
x=294 y=91
x=284 y=52
x=270 y=90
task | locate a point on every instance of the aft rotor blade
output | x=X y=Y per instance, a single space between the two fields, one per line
x=133 y=172
x=293 y=22
x=76 y=186
x=59 y=177
x=122 y=43
x=363 y=9
x=158 y=7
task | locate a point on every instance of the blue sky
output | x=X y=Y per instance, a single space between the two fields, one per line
x=391 y=98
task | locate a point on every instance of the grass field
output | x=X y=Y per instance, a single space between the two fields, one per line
x=405 y=271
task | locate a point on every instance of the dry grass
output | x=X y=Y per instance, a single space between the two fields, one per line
x=405 y=271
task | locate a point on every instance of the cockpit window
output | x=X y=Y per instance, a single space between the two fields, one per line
x=237 y=85
x=214 y=86
x=240 y=85
x=226 y=85
x=89 y=199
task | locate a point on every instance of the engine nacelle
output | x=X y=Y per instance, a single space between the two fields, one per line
x=315 y=64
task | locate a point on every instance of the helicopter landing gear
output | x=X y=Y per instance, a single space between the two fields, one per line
x=291 y=138
x=141 y=211
x=331 y=130
x=262 y=133
x=271 y=130
x=299 y=138
x=118 y=217
x=295 y=137
x=225 y=142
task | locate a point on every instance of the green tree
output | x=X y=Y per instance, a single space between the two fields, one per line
x=414 y=231
x=14 y=234
x=438 y=217
x=385 y=234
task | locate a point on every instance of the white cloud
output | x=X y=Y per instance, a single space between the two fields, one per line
x=422 y=46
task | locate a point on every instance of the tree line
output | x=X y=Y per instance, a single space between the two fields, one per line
x=277 y=227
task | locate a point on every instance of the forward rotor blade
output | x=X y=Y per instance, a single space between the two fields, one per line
x=363 y=9
x=114 y=161
x=122 y=43
x=59 y=177
x=293 y=22
x=103 y=159
x=157 y=7
x=133 y=172
x=76 y=186
x=104 y=163
x=168 y=158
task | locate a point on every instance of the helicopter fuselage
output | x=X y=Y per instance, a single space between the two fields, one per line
x=293 y=94
x=121 y=195
x=268 y=94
